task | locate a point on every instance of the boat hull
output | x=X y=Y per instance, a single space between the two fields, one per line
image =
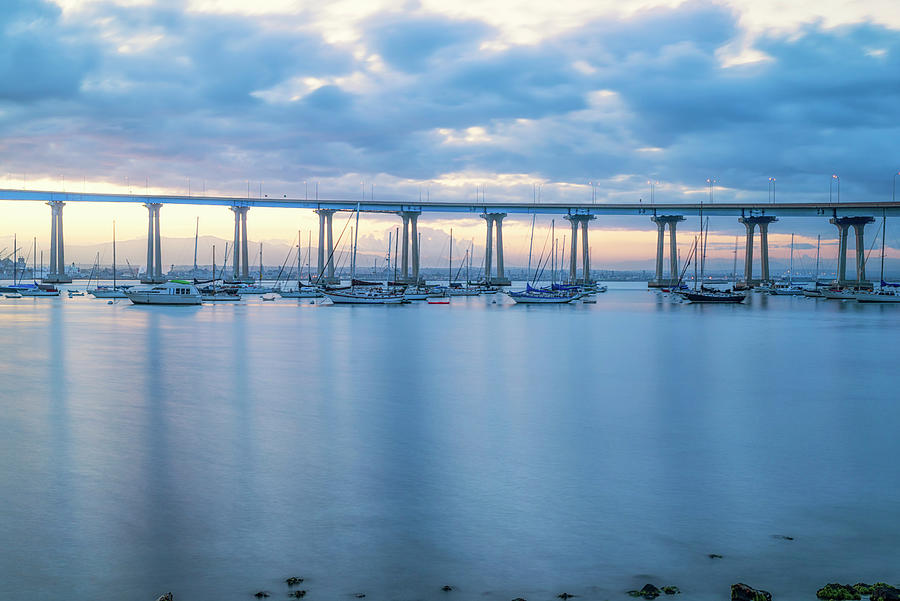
x=697 y=297
x=143 y=298
x=874 y=297
x=362 y=299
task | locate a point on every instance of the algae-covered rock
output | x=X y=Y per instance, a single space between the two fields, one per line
x=647 y=592
x=862 y=588
x=293 y=581
x=671 y=590
x=298 y=594
x=838 y=592
x=743 y=592
x=885 y=592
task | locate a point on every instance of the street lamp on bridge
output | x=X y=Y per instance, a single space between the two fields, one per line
x=834 y=178
x=772 y=190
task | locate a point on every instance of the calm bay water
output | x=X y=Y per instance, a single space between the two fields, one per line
x=509 y=451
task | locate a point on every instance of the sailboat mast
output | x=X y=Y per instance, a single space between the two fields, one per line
x=816 y=277
x=34 y=259
x=791 y=272
x=695 y=260
x=553 y=249
x=260 y=263
x=299 y=258
x=214 y=268
x=390 y=247
x=883 y=231
x=734 y=265
x=355 y=235
x=530 y=243
x=196 y=234
x=396 y=237
x=114 y=257
x=15 y=261
x=450 y=265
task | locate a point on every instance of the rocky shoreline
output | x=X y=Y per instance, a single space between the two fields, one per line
x=879 y=591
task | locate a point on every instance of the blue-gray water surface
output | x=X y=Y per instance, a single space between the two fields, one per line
x=509 y=451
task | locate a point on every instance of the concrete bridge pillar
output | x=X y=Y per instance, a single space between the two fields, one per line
x=500 y=279
x=404 y=251
x=843 y=224
x=662 y=221
x=581 y=220
x=751 y=223
x=57 y=273
x=748 y=251
x=585 y=252
x=410 y=242
x=414 y=232
x=660 y=247
x=501 y=276
x=573 y=251
x=488 y=247
x=153 y=274
x=240 y=249
x=245 y=250
x=326 y=247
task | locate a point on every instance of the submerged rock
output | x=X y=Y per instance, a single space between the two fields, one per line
x=782 y=537
x=360 y=595
x=166 y=597
x=647 y=592
x=838 y=592
x=293 y=581
x=261 y=594
x=885 y=592
x=715 y=556
x=742 y=592
x=671 y=590
x=565 y=596
x=446 y=588
x=299 y=594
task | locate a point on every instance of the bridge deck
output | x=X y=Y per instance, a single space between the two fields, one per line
x=786 y=209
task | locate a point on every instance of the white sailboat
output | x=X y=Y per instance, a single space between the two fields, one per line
x=105 y=291
x=789 y=289
x=364 y=295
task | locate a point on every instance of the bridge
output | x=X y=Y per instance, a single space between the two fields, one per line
x=843 y=215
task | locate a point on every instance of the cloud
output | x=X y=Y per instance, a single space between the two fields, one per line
x=421 y=96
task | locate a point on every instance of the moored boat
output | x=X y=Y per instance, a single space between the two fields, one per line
x=173 y=292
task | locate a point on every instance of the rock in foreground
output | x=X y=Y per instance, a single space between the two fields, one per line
x=885 y=592
x=742 y=592
x=838 y=592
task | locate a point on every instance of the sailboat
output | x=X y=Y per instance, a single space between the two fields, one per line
x=36 y=289
x=115 y=291
x=365 y=295
x=788 y=289
x=814 y=291
x=706 y=294
x=885 y=293
x=552 y=295
x=212 y=292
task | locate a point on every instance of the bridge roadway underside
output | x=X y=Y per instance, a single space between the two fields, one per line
x=781 y=209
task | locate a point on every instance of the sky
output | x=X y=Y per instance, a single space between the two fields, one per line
x=572 y=100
